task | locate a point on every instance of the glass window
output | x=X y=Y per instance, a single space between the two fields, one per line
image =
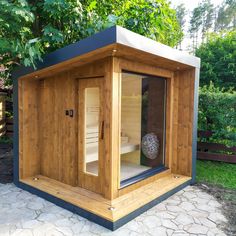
x=142 y=125
x=92 y=104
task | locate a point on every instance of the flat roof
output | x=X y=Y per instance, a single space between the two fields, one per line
x=113 y=35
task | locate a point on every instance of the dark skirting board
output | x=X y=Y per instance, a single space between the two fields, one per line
x=95 y=218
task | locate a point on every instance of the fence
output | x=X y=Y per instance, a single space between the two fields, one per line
x=9 y=127
x=2 y=114
x=214 y=151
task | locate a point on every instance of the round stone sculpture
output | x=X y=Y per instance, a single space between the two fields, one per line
x=150 y=146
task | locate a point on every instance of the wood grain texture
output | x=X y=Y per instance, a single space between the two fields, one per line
x=28 y=115
x=99 y=205
x=148 y=58
x=49 y=143
x=183 y=122
x=73 y=63
x=58 y=137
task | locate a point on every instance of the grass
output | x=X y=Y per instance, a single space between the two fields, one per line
x=218 y=173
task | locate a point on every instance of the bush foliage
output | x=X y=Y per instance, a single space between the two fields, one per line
x=217 y=112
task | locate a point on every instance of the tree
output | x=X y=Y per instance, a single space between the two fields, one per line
x=201 y=21
x=181 y=14
x=152 y=18
x=17 y=42
x=30 y=28
x=218 y=60
x=195 y=24
x=226 y=17
x=207 y=17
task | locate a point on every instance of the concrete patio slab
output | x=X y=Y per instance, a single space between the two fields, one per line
x=188 y=212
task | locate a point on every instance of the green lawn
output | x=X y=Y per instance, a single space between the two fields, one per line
x=218 y=173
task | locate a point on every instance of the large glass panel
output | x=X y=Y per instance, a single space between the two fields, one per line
x=92 y=104
x=142 y=125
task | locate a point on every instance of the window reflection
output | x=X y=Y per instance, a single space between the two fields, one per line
x=142 y=124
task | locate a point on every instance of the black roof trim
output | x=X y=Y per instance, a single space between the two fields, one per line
x=115 y=34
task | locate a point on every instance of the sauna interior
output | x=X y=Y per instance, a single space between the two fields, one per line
x=108 y=131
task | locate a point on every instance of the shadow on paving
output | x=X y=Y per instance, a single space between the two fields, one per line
x=227 y=197
x=6 y=163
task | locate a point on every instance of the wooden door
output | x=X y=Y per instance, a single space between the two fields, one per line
x=91 y=133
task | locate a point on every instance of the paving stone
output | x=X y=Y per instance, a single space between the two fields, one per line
x=205 y=207
x=175 y=197
x=164 y=215
x=184 y=219
x=204 y=195
x=197 y=229
x=18 y=204
x=187 y=206
x=53 y=209
x=217 y=217
x=169 y=232
x=98 y=229
x=188 y=212
x=160 y=231
x=196 y=220
x=121 y=232
x=175 y=209
x=200 y=200
x=65 y=213
x=169 y=224
x=161 y=207
x=217 y=231
x=65 y=231
x=180 y=233
x=77 y=227
x=207 y=223
x=47 y=217
x=22 y=232
x=191 y=189
x=45 y=229
x=214 y=203
x=172 y=202
x=197 y=213
x=31 y=224
x=15 y=215
x=189 y=195
x=63 y=222
x=54 y=232
x=152 y=221
x=35 y=205
x=4 y=230
x=135 y=226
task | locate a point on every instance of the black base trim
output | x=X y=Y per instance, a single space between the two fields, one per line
x=95 y=218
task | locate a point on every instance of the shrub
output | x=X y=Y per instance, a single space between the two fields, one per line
x=217 y=112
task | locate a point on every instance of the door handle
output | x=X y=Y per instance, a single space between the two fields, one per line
x=102 y=130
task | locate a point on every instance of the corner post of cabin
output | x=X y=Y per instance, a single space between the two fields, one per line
x=111 y=153
x=183 y=118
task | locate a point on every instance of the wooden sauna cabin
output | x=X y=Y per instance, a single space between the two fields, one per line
x=106 y=127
